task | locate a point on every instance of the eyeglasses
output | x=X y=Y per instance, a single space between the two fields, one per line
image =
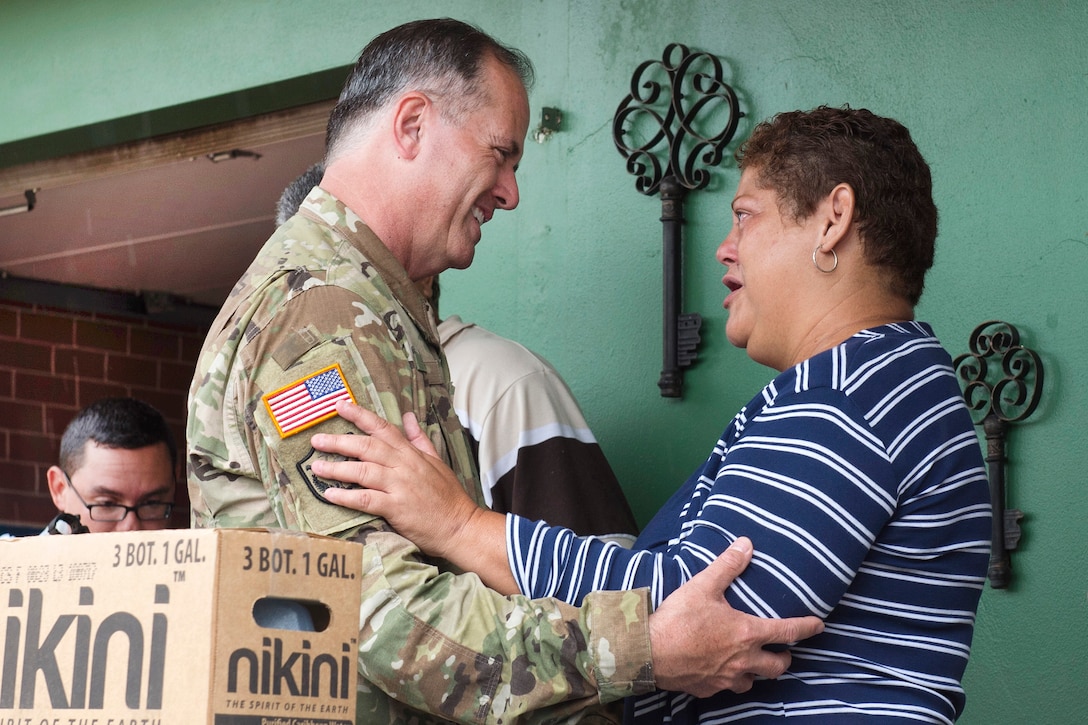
x=149 y=511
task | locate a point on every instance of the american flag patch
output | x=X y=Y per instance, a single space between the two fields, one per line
x=307 y=402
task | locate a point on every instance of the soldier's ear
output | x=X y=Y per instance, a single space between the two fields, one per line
x=410 y=115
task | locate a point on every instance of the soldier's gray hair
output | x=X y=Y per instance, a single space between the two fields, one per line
x=443 y=58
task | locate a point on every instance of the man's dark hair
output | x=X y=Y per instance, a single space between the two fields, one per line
x=114 y=423
x=442 y=57
x=803 y=155
x=291 y=198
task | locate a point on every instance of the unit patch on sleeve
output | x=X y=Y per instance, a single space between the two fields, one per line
x=306 y=402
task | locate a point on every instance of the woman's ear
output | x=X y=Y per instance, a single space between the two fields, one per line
x=838 y=210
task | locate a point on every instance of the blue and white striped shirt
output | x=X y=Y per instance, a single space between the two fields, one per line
x=858 y=476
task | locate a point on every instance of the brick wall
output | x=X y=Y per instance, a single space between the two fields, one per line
x=52 y=364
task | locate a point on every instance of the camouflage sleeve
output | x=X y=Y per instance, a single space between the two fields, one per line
x=444 y=643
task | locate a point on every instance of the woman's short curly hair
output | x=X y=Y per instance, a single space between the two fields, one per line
x=803 y=155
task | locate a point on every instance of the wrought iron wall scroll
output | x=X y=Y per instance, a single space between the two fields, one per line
x=996 y=399
x=670 y=130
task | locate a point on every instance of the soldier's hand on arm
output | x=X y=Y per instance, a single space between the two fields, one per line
x=701 y=645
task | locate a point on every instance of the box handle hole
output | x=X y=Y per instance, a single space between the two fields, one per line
x=299 y=615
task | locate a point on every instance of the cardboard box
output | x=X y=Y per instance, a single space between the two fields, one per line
x=160 y=628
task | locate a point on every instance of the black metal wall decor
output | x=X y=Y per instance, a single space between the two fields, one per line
x=670 y=130
x=998 y=397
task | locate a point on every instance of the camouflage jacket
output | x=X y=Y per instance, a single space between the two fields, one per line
x=326 y=311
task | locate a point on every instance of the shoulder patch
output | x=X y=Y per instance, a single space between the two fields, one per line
x=317 y=485
x=307 y=401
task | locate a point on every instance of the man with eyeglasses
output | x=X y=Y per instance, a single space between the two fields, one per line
x=116 y=470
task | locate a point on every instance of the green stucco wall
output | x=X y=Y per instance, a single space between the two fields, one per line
x=995 y=93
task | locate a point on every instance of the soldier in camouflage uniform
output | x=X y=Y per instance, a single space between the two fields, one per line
x=328 y=311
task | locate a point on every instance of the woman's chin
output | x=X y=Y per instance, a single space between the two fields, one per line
x=734 y=332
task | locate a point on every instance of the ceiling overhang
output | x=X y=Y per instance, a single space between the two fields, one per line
x=164 y=218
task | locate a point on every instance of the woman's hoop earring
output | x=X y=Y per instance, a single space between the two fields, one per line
x=834 y=265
